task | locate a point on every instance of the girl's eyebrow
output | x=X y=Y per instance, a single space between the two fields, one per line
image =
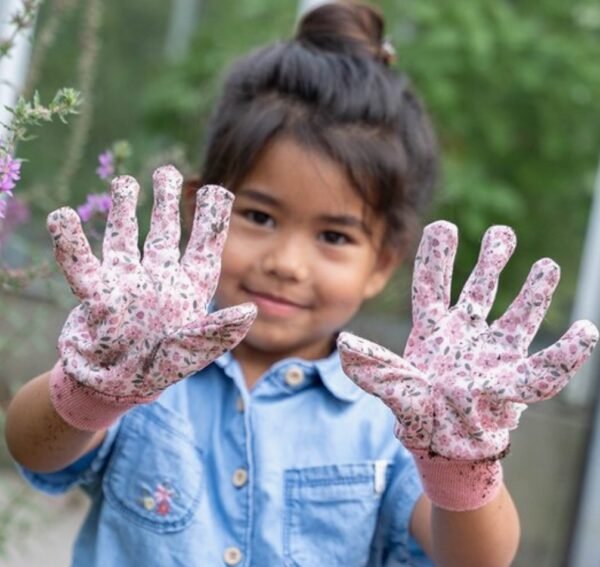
x=259 y=196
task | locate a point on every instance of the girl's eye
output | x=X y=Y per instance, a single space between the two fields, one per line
x=336 y=238
x=258 y=217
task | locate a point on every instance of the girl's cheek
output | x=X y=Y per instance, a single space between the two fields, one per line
x=232 y=252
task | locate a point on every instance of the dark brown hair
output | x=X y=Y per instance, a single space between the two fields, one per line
x=332 y=90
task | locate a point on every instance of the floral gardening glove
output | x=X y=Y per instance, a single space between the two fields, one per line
x=462 y=384
x=142 y=325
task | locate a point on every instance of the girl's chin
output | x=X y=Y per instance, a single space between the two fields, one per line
x=268 y=341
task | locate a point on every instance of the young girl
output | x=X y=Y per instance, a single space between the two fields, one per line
x=231 y=435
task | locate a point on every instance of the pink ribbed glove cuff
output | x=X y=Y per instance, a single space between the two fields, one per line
x=83 y=407
x=458 y=485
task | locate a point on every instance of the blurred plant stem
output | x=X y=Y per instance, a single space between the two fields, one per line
x=45 y=39
x=86 y=71
x=23 y=116
x=12 y=279
x=26 y=114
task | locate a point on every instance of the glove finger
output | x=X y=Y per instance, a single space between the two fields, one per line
x=202 y=258
x=377 y=370
x=161 y=248
x=547 y=372
x=195 y=346
x=121 y=234
x=477 y=297
x=398 y=383
x=73 y=253
x=432 y=277
x=521 y=321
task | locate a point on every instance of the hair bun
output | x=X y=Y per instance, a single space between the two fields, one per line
x=347 y=27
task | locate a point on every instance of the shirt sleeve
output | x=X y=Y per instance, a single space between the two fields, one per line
x=400 y=498
x=86 y=472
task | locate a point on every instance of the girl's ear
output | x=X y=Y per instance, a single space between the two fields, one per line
x=389 y=259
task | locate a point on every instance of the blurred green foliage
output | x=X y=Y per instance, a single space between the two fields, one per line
x=514 y=90
x=512 y=87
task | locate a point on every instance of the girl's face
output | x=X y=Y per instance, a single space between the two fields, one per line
x=303 y=247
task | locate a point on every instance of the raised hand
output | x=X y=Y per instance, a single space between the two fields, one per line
x=142 y=323
x=462 y=384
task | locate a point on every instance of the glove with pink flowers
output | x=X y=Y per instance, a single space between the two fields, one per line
x=462 y=384
x=142 y=325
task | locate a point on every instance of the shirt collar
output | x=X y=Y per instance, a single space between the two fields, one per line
x=334 y=379
x=329 y=370
x=225 y=361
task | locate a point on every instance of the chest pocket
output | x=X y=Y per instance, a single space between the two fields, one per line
x=154 y=477
x=331 y=513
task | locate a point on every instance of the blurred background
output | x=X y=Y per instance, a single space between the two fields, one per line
x=513 y=88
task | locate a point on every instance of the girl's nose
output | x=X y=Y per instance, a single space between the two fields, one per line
x=287 y=259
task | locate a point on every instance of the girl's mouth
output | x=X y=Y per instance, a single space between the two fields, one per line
x=273 y=305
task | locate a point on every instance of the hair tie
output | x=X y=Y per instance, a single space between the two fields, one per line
x=388 y=50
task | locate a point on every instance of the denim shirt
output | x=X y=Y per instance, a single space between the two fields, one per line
x=302 y=470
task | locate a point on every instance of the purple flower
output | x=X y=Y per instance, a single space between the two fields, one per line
x=96 y=203
x=106 y=168
x=16 y=212
x=10 y=173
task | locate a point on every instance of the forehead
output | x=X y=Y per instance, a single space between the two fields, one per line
x=304 y=180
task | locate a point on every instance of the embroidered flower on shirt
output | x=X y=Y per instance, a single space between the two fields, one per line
x=163 y=495
x=160 y=500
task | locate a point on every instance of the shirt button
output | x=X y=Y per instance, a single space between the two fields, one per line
x=240 y=477
x=239 y=404
x=232 y=556
x=294 y=376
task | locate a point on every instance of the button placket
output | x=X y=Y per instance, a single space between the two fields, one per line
x=240 y=496
x=240 y=406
